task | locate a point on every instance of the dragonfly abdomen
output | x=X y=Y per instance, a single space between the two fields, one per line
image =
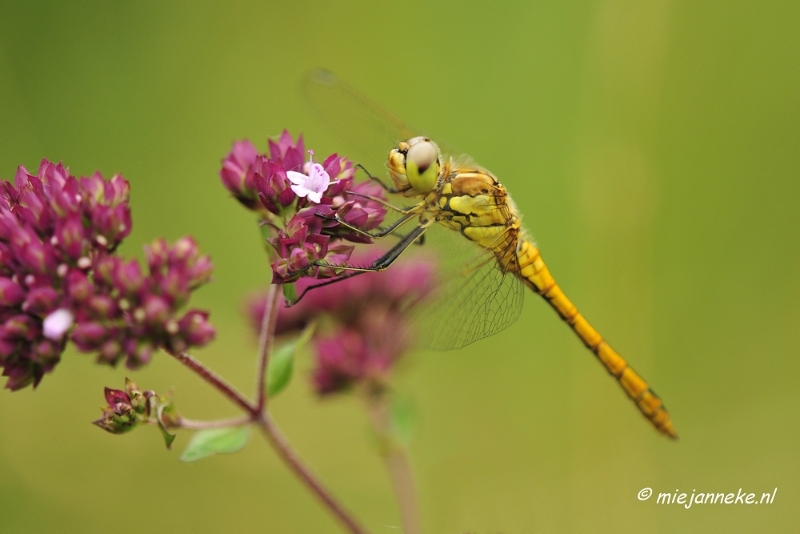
x=536 y=275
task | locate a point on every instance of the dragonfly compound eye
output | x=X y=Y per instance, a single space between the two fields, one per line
x=422 y=165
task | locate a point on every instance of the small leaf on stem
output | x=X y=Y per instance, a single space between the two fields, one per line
x=290 y=293
x=211 y=441
x=168 y=438
x=281 y=365
x=402 y=416
x=281 y=362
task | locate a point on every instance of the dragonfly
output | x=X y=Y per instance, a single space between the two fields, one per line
x=483 y=295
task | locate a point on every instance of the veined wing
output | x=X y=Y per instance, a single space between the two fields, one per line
x=474 y=297
x=367 y=130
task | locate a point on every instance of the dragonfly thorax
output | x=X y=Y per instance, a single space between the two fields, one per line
x=414 y=166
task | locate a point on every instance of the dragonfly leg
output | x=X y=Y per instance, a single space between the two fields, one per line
x=378 y=265
x=374 y=235
x=381 y=202
x=376 y=179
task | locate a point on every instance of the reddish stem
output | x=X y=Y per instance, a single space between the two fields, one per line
x=287 y=454
x=396 y=459
x=217 y=381
x=265 y=341
x=276 y=439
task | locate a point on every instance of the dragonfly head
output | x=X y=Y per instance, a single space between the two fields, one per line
x=414 y=165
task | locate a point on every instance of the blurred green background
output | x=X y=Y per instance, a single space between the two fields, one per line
x=649 y=145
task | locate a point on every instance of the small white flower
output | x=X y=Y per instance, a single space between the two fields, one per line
x=312 y=185
x=57 y=323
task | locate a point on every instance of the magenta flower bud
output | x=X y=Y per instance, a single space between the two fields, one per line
x=22 y=175
x=184 y=250
x=157 y=254
x=105 y=268
x=175 y=287
x=41 y=300
x=273 y=186
x=52 y=175
x=139 y=354
x=337 y=189
x=93 y=189
x=338 y=255
x=282 y=272
x=89 y=336
x=8 y=346
x=200 y=272
x=128 y=278
x=30 y=252
x=235 y=172
x=79 y=287
x=156 y=311
x=340 y=361
x=22 y=374
x=234 y=167
x=47 y=352
x=6 y=259
x=32 y=210
x=138 y=399
x=38 y=258
x=110 y=352
x=21 y=327
x=195 y=328
x=287 y=153
x=71 y=236
x=116 y=396
x=299 y=260
x=9 y=225
x=116 y=190
x=112 y=223
x=101 y=307
x=339 y=168
x=11 y=294
x=66 y=200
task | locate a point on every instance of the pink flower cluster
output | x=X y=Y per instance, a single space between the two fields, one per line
x=60 y=278
x=126 y=313
x=305 y=230
x=368 y=319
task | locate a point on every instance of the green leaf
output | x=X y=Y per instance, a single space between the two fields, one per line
x=281 y=365
x=166 y=405
x=265 y=229
x=305 y=335
x=290 y=293
x=281 y=362
x=403 y=419
x=211 y=441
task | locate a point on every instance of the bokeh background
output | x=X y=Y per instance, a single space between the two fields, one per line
x=654 y=150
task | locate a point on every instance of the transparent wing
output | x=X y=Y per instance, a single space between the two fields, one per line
x=474 y=297
x=365 y=128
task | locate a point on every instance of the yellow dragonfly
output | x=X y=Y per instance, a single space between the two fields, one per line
x=453 y=192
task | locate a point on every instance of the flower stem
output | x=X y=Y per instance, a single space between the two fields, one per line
x=265 y=341
x=216 y=381
x=287 y=454
x=273 y=435
x=396 y=460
